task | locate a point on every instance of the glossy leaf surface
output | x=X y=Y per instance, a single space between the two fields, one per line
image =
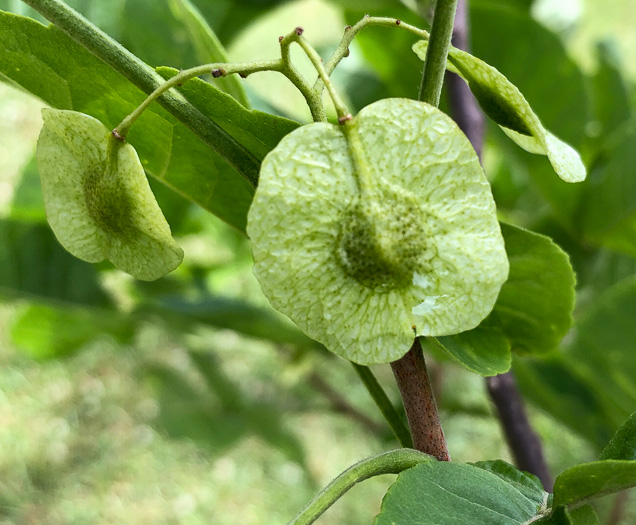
x=259 y=132
x=588 y=481
x=585 y=515
x=534 y=307
x=455 y=494
x=484 y=350
x=526 y=483
x=623 y=443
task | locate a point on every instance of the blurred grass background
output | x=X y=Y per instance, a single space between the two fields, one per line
x=82 y=439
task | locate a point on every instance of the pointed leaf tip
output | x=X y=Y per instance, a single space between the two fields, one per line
x=502 y=101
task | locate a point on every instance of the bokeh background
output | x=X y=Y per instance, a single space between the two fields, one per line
x=189 y=401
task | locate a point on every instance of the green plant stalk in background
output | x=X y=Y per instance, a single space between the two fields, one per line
x=393 y=418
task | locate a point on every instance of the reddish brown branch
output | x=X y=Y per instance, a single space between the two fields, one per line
x=419 y=402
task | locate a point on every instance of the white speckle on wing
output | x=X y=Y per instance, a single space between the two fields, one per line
x=428 y=305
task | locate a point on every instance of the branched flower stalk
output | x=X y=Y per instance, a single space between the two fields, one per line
x=216 y=70
x=283 y=65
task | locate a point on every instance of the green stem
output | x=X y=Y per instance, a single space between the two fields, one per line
x=313 y=99
x=220 y=70
x=342 y=50
x=146 y=79
x=368 y=21
x=392 y=462
x=384 y=404
x=316 y=60
x=439 y=42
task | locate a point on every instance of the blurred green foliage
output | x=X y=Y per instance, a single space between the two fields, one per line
x=189 y=400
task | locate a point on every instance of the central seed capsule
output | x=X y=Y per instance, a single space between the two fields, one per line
x=107 y=203
x=381 y=241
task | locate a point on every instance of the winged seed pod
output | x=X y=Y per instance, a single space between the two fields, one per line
x=503 y=102
x=370 y=233
x=97 y=198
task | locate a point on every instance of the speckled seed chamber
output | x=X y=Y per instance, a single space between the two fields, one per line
x=97 y=198
x=362 y=233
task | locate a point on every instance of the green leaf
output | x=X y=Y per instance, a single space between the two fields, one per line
x=534 y=307
x=526 y=483
x=588 y=481
x=46 y=331
x=232 y=314
x=505 y=104
x=555 y=387
x=585 y=515
x=48 y=64
x=27 y=203
x=217 y=413
x=612 y=105
x=522 y=5
x=208 y=47
x=454 y=494
x=604 y=269
x=484 y=350
x=608 y=208
x=623 y=443
x=154 y=32
x=603 y=349
x=97 y=198
x=259 y=132
x=533 y=310
x=550 y=80
x=379 y=243
x=33 y=264
x=229 y=17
